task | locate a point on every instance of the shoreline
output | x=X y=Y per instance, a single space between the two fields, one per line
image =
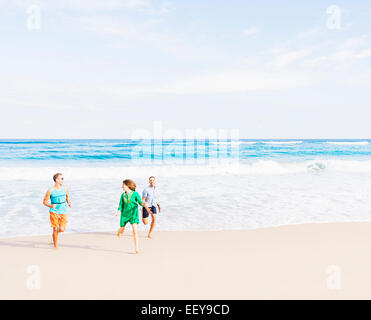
x=195 y=230
x=303 y=261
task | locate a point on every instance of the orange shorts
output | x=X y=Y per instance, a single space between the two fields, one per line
x=58 y=220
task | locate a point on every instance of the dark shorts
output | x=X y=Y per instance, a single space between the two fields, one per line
x=146 y=214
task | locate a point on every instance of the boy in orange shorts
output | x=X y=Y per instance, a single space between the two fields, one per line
x=59 y=199
x=58 y=221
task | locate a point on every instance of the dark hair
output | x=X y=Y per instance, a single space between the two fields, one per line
x=151 y=177
x=55 y=177
x=130 y=184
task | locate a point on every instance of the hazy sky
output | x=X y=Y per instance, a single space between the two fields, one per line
x=103 y=69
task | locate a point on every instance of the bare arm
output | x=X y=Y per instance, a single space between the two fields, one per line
x=46 y=200
x=144 y=205
x=119 y=209
x=68 y=198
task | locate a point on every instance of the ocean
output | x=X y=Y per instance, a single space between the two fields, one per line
x=202 y=184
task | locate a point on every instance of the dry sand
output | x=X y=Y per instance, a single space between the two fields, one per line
x=288 y=262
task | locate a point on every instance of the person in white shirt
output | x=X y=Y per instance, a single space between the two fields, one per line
x=150 y=197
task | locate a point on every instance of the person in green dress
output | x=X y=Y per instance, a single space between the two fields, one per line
x=128 y=208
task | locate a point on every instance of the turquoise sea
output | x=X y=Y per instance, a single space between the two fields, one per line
x=203 y=184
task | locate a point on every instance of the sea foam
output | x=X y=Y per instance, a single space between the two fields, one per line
x=260 y=167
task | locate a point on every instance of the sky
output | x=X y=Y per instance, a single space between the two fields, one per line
x=271 y=69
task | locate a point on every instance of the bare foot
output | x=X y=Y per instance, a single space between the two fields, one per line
x=120 y=232
x=149 y=237
x=136 y=251
x=56 y=248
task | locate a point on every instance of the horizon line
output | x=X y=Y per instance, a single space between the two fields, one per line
x=201 y=138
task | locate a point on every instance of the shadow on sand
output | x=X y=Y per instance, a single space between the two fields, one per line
x=49 y=245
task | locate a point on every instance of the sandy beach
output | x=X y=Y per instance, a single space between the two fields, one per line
x=312 y=261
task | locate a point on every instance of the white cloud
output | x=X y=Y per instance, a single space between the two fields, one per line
x=340 y=58
x=313 y=32
x=364 y=54
x=65 y=96
x=355 y=42
x=225 y=82
x=315 y=61
x=166 y=7
x=285 y=59
x=251 y=32
x=106 y=5
x=146 y=32
x=342 y=55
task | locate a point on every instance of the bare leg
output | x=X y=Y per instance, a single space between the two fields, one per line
x=153 y=222
x=135 y=235
x=120 y=231
x=55 y=237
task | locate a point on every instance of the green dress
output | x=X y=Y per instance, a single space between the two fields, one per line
x=129 y=207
